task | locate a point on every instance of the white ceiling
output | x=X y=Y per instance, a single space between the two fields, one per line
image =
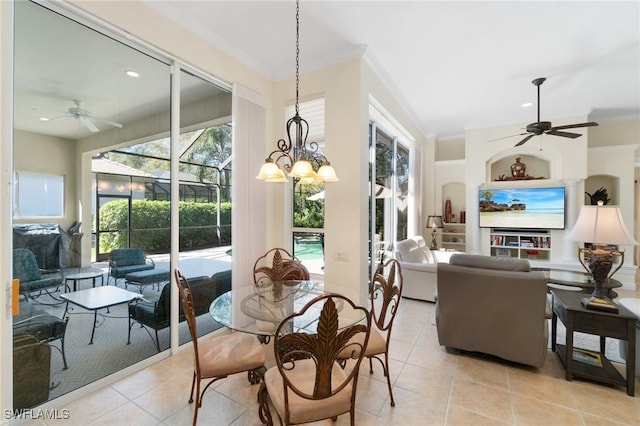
x=455 y=65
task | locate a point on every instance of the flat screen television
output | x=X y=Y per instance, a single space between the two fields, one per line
x=522 y=208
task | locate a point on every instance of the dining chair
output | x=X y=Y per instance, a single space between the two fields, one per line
x=278 y=264
x=308 y=383
x=385 y=295
x=220 y=356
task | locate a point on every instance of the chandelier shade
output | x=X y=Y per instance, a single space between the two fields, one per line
x=301 y=160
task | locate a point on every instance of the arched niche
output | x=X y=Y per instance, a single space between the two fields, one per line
x=499 y=167
x=610 y=183
x=456 y=193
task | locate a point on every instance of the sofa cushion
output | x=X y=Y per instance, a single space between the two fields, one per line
x=38 y=323
x=30 y=286
x=490 y=262
x=122 y=271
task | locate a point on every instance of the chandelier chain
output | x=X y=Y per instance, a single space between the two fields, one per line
x=297 y=53
x=294 y=155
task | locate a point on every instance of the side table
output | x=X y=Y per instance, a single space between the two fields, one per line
x=85 y=275
x=567 y=307
x=578 y=279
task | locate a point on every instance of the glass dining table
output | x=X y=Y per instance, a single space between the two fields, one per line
x=259 y=310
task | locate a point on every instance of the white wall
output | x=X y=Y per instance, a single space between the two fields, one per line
x=451 y=149
x=38 y=153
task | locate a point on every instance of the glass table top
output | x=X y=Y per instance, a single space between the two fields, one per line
x=259 y=310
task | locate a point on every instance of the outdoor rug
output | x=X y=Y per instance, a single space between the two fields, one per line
x=109 y=352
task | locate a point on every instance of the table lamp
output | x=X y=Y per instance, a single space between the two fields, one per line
x=600 y=225
x=434 y=222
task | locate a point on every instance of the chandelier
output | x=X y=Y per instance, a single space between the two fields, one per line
x=299 y=159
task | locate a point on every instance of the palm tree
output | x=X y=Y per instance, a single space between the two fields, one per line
x=487 y=195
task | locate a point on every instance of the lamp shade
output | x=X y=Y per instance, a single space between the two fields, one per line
x=278 y=176
x=311 y=179
x=601 y=225
x=269 y=170
x=302 y=168
x=327 y=173
x=434 y=222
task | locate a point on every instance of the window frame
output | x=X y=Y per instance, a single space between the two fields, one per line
x=60 y=181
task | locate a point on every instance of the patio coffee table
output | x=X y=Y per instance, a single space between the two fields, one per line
x=96 y=298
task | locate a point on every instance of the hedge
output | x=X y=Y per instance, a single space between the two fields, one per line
x=151 y=224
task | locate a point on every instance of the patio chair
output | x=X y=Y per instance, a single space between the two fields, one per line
x=308 y=384
x=33 y=283
x=124 y=261
x=278 y=264
x=218 y=357
x=385 y=294
x=46 y=328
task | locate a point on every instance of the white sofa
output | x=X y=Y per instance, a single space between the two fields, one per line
x=418 y=265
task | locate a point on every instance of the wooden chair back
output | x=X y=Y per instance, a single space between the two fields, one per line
x=386 y=293
x=188 y=309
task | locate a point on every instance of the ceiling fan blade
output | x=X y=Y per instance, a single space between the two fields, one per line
x=523 y=141
x=89 y=124
x=109 y=122
x=563 y=134
x=575 y=126
x=510 y=136
x=60 y=117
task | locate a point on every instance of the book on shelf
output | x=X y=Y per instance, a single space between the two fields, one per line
x=587 y=357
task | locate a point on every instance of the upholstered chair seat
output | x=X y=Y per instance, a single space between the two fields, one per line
x=302 y=410
x=216 y=358
x=230 y=354
x=310 y=382
x=385 y=295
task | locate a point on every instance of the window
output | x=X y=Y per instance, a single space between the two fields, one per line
x=308 y=199
x=38 y=195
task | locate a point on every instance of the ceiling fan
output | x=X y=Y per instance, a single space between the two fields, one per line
x=85 y=117
x=544 y=127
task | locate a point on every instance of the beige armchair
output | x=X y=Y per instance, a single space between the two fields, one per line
x=418 y=265
x=494 y=306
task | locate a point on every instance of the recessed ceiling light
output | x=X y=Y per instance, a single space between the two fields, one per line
x=527 y=104
x=132 y=73
x=44 y=119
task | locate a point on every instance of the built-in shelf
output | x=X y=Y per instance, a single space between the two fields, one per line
x=534 y=245
x=537 y=168
x=454 y=236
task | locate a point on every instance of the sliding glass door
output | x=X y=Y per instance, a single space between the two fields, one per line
x=93 y=115
x=389 y=194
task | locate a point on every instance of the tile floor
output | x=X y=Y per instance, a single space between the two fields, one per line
x=431 y=387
